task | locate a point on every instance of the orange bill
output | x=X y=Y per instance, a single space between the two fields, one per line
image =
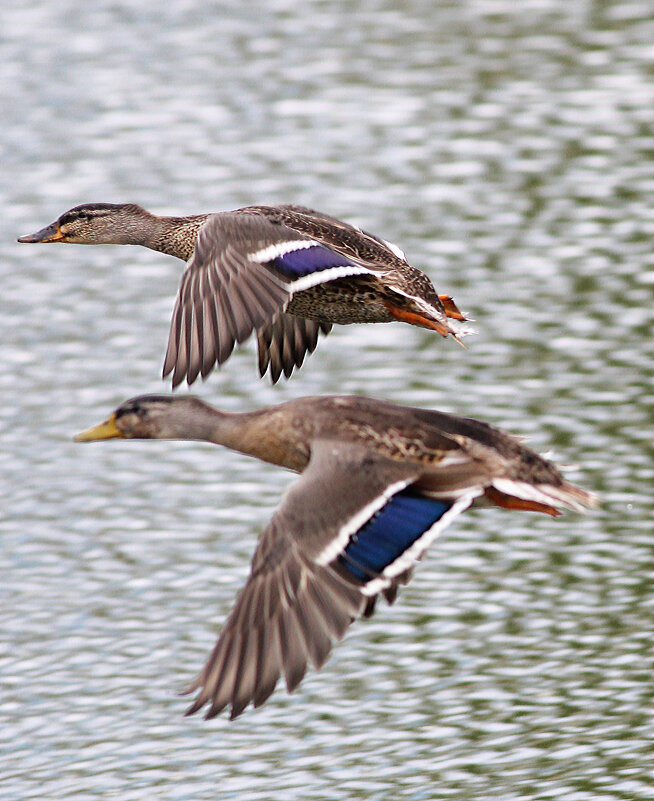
x=51 y=233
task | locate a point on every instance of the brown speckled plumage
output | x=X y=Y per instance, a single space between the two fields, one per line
x=379 y=481
x=245 y=274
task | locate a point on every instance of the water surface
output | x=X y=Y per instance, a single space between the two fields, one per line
x=508 y=150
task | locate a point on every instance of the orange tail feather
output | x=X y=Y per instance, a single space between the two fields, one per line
x=451 y=309
x=511 y=502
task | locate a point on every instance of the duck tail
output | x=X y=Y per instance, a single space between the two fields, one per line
x=548 y=499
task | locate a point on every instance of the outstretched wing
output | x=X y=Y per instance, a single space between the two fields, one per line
x=351 y=527
x=243 y=272
x=284 y=342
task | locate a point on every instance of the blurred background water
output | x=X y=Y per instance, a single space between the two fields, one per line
x=508 y=149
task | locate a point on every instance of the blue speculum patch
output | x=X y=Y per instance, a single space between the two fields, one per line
x=306 y=261
x=389 y=533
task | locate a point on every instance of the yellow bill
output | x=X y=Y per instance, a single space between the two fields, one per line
x=106 y=430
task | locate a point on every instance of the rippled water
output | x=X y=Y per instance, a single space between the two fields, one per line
x=508 y=149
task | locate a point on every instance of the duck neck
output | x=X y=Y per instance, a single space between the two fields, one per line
x=263 y=434
x=234 y=431
x=175 y=236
